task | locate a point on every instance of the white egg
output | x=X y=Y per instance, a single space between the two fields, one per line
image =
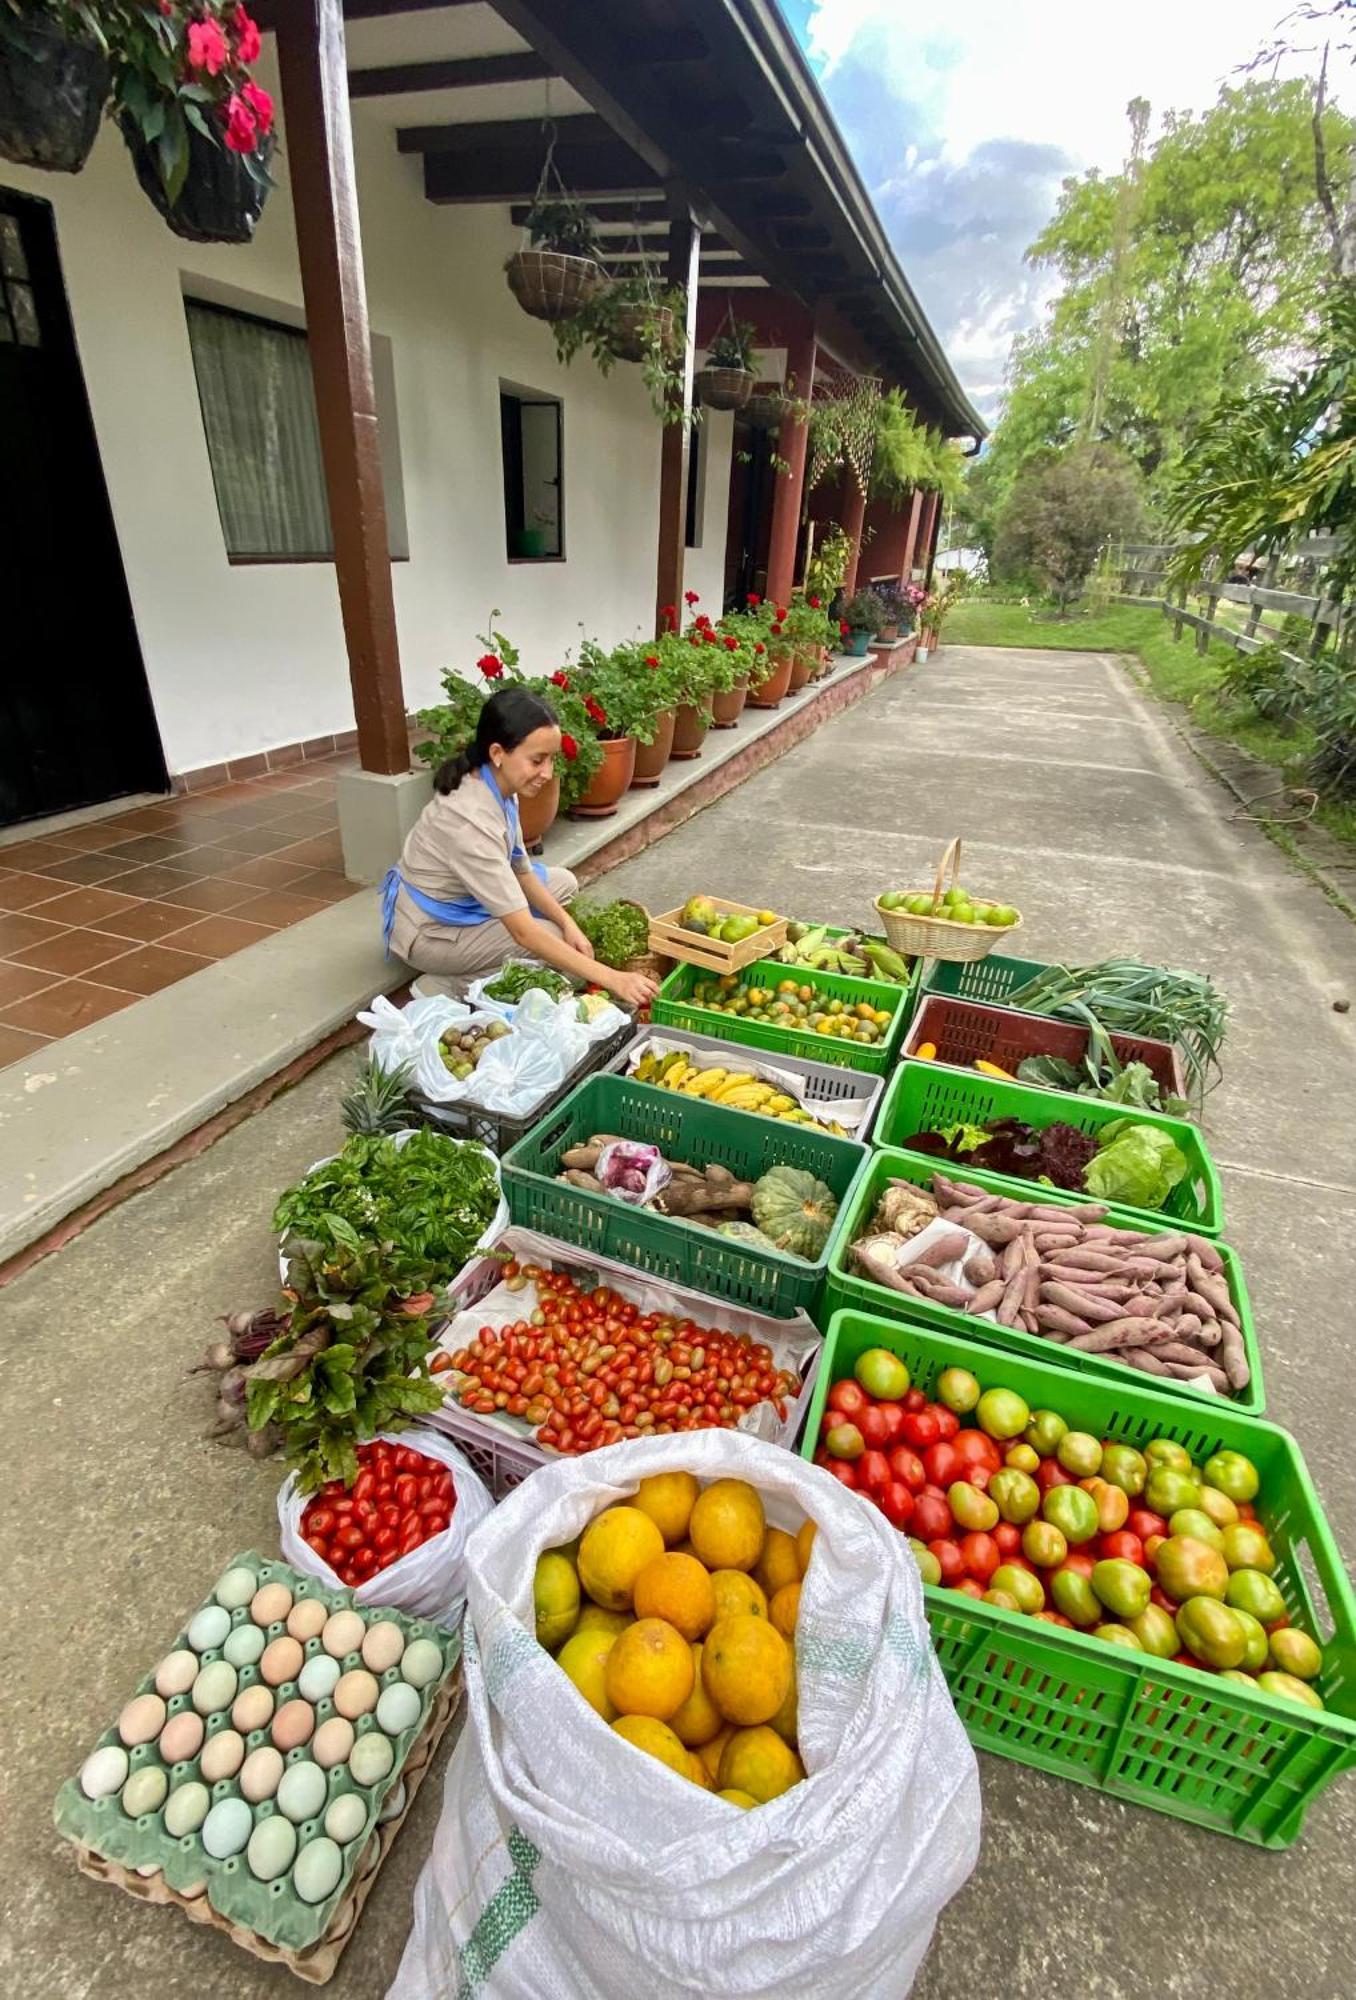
x=372 y=1758
x=261 y=1773
x=227 y=1828
x=186 y=1808
x=235 y=1588
x=318 y=1677
x=176 y=1673
x=383 y=1646
x=207 y=1629
x=346 y=1818
x=319 y=1866
x=272 y=1846
x=302 y=1791
x=244 y=1646
x=222 y=1755
x=215 y=1687
x=398 y=1707
x=104 y=1771
x=144 y=1791
x=421 y=1663
x=343 y=1634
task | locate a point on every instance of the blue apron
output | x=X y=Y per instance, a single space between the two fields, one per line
x=462 y=911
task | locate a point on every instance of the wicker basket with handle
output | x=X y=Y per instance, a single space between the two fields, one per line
x=937 y=936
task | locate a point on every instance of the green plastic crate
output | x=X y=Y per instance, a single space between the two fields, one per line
x=990 y=979
x=1179 y=1740
x=845 y=1286
x=684 y=1128
x=673 y=1004
x=922 y=1096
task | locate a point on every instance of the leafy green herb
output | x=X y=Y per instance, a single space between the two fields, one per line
x=617 y=931
x=516 y=979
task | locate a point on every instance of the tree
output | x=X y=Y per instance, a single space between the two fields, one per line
x=1062 y=508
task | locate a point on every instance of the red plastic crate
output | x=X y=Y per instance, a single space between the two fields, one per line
x=964 y=1030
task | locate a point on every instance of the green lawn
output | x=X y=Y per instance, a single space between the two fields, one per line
x=1176 y=671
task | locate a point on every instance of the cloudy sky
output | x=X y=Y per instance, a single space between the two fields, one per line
x=965 y=119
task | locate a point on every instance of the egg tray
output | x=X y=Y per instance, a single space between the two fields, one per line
x=269 y=1918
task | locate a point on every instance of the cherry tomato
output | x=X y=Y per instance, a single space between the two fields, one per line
x=406 y=1490
x=385 y=1541
x=364 y=1561
x=350 y=1536
x=318 y=1520
x=319 y=1544
x=365 y=1485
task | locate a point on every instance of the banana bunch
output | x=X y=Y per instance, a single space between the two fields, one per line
x=741 y=1090
x=862 y=957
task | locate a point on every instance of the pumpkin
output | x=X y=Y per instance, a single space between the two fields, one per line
x=795 y=1210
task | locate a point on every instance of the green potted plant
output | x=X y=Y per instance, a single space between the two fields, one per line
x=693 y=665
x=198 y=126
x=770 y=678
x=863 y=615
x=558 y=271
x=622 y=700
x=828 y=565
x=806 y=626
x=725 y=380
x=633 y=319
x=54 y=82
x=452 y=724
x=652 y=718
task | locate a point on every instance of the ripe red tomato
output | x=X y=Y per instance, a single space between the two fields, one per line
x=1051 y=1473
x=892 y=1415
x=872 y=1425
x=1080 y=1560
x=947 y=1419
x=978 y=1476
x=969 y=1588
x=849 y=1397
x=976 y=1447
x=908 y=1466
x=1160 y=1597
x=921 y=1428
x=897 y=1504
x=980 y=1553
x=364 y=1561
x=1056 y=1618
x=950 y=1561
x=942 y=1463
x=318 y=1520
x=914 y=1399
x=873 y=1472
x=319 y=1544
x=844 y=1470
x=1008 y=1537
x=1143 y=1522
x=350 y=1536
x=931 y=1516
x=1123 y=1547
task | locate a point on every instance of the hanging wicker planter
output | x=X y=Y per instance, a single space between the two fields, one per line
x=724 y=388
x=220 y=201
x=550 y=285
x=764 y=409
x=640 y=331
x=52 y=96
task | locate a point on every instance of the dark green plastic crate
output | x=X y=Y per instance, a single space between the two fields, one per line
x=990 y=979
x=673 y=1004
x=846 y=1287
x=700 y=1134
x=1180 y=1740
x=922 y=1096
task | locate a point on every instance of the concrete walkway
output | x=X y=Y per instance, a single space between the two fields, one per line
x=1081 y=806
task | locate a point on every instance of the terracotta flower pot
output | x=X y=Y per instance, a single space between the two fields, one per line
x=536 y=814
x=610 y=780
x=726 y=709
x=770 y=692
x=823 y=659
x=691 y=722
x=652 y=757
x=803 y=664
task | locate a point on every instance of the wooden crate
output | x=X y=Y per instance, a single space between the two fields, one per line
x=318 y=1963
x=670 y=940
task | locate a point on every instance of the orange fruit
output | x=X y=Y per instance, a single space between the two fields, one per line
x=698 y=1772
x=584 y=1658
x=712 y=1752
x=757 y=1761
x=744 y=1799
x=727 y=1525
x=805 y=1541
x=649 y=1670
x=656 y=1739
x=667 y=1498
x=593 y=1618
x=786 y=1720
x=746 y=1669
x=777 y=1565
x=698 y=1720
x=785 y=1609
x=555 y=1598
x=736 y=1593
x=677 y=1588
x=613 y=1550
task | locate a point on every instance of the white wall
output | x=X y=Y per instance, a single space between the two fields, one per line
x=247 y=657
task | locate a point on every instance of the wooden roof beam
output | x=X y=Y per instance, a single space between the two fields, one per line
x=511 y=173
x=460 y=73
x=489 y=135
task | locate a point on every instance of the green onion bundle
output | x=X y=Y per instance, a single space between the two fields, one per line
x=1120 y=997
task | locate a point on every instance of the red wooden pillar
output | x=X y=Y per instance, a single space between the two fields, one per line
x=911 y=540
x=792 y=443
x=319 y=154
x=932 y=526
x=680 y=268
x=854 y=514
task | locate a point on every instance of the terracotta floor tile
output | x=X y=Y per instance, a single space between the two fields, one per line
x=324 y=851
x=147 y=819
x=326 y=883
x=18 y=932
x=147 y=923
x=264 y=871
x=159 y=879
x=145 y=847
x=85 y=906
x=91 y=839
x=16 y=1043
x=278 y=909
x=27 y=855
x=72 y=954
x=18 y=981
x=85 y=868
x=150 y=968
x=304 y=825
x=19 y=890
x=212 y=894
x=62 y=1009
x=218 y=937
x=193 y=863
x=247 y=840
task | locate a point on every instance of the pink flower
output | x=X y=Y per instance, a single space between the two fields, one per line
x=247 y=41
x=569 y=749
x=261 y=104
x=207 y=50
x=241 y=130
x=491 y=666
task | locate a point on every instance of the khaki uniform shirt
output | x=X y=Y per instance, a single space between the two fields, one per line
x=460 y=845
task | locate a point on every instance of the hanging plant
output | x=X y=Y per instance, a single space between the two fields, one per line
x=54 y=82
x=725 y=381
x=634 y=319
x=558 y=272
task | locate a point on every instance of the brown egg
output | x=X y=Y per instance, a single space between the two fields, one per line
x=281 y=1661
x=343 y=1634
x=307 y=1618
x=261 y=1774
x=252 y=1709
x=333 y=1741
x=293 y=1725
x=222 y=1755
x=356 y=1693
x=142 y=1720
x=270 y=1604
x=181 y=1737
x=383 y=1646
x=176 y=1672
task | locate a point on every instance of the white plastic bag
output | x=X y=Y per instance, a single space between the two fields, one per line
x=594 y=1873
x=633 y=1172
x=430 y=1582
x=849 y=1112
x=604 y=1024
x=399 y=1033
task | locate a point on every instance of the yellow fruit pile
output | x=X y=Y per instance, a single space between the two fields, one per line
x=675 y=1617
x=740 y=1089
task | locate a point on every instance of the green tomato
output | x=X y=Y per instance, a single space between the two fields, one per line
x=1043 y=1544
x=1118 y=1635
x=1072 y=1511
x=1123 y=1587
x=1294 y=1652
x=1163 y=1451
x=1167 y=1489
x=1017 y=1495
x=845 y=1441
x=1196 y=1522
x=1252 y=1590
x=1004 y=1599
x=1025 y=1589
x=1074 y=1597
x=958 y=1389
x=882 y=1374
x=1125 y=1467
x=1246 y=1547
x=1232 y=1473
x=928 y=1566
x=1218 y=1506
x=1237 y=1674
x=1186 y=1568
x=1255 y=1657
x=1079 y=1453
x=975 y=1511
x=1289 y=1688
x=1156 y=1632
x=1002 y=1413
x=1211 y=1632
x=1021 y=1458
x=1044 y=1432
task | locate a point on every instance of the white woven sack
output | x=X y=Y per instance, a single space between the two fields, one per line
x=569 y=1866
x=430 y=1582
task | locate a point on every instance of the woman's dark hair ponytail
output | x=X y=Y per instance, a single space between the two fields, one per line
x=508 y=718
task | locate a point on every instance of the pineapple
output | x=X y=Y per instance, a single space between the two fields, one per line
x=379 y=1101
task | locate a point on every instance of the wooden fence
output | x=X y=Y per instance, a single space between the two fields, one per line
x=1291 y=586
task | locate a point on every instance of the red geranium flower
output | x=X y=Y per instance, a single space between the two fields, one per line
x=490 y=665
x=702 y=620
x=652 y=659
x=843 y=630
x=731 y=643
x=207 y=48
x=691 y=597
x=247 y=42
x=569 y=749
x=709 y=636
x=560 y=679
x=813 y=603
x=753 y=598
x=261 y=104
x=777 y=630
x=759 y=647
x=781 y=611
x=596 y=711
x=668 y=617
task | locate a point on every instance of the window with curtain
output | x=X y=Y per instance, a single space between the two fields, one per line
x=263 y=440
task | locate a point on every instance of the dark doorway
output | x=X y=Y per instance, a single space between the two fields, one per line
x=749 y=526
x=76 y=722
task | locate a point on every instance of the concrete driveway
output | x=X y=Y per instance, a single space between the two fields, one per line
x=1076 y=801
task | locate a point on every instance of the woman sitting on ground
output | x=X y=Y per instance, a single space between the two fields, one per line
x=464 y=896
